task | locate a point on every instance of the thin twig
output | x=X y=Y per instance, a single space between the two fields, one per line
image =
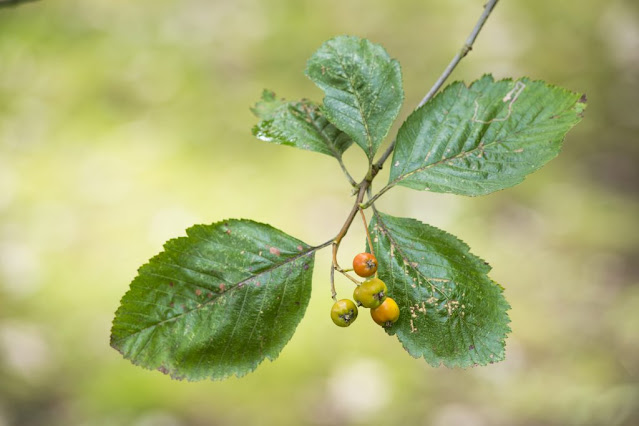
x=363 y=186
x=321 y=246
x=467 y=47
x=372 y=199
x=346 y=173
x=334 y=293
x=368 y=235
x=347 y=275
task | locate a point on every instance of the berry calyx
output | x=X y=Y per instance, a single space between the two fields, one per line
x=344 y=312
x=365 y=265
x=386 y=313
x=371 y=293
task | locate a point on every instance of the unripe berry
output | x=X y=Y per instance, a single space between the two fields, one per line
x=343 y=312
x=371 y=293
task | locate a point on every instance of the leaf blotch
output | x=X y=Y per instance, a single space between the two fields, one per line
x=493 y=115
x=451 y=311
x=195 y=330
x=274 y=251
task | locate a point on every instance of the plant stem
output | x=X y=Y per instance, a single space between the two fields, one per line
x=321 y=246
x=372 y=199
x=467 y=47
x=365 y=185
x=346 y=173
x=368 y=235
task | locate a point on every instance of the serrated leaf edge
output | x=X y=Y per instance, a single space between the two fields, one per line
x=393 y=331
x=578 y=106
x=113 y=343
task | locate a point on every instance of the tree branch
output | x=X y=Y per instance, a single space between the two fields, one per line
x=346 y=173
x=467 y=47
x=365 y=185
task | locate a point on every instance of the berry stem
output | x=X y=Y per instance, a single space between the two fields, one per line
x=368 y=235
x=333 y=292
x=363 y=186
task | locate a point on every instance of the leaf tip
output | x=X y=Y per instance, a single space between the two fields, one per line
x=265 y=107
x=268 y=95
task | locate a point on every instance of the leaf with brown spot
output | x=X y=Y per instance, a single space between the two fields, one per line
x=447 y=301
x=300 y=124
x=485 y=137
x=171 y=329
x=362 y=86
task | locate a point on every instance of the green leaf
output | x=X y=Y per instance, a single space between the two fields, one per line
x=217 y=302
x=300 y=124
x=480 y=139
x=363 y=88
x=451 y=312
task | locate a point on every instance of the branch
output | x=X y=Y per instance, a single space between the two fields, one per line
x=365 y=185
x=346 y=173
x=467 y=47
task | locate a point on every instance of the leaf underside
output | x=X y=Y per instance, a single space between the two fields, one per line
x=483 y=138
x=216 y=302
x=299 y=124
x=362 y=86
x=451 y=312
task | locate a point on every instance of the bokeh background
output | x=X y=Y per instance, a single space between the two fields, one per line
x=123 y=123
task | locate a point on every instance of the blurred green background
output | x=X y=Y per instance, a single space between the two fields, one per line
x=122 y=123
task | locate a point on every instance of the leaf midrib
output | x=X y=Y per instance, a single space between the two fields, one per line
x=404 y=256
x=462 y=271
x=461 y=324
x=465 y=153
x=217 y=296
x=329 y=142
x=357 y=99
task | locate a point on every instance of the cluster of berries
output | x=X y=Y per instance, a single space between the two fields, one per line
x=369 y=294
